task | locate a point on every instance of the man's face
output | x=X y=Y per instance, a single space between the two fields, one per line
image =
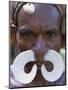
x=39 y=31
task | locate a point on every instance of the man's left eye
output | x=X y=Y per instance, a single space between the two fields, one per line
x=51 y=34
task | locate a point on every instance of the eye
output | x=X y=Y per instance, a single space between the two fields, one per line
x=51 y=34
x=27 y=34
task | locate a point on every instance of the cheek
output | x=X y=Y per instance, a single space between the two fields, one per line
x=57 y=44
x=24 y=46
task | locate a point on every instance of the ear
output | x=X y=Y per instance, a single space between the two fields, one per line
x=63 y=41
x=63 y=32
x=62 y=9
x=13 y=30
x=63 y=26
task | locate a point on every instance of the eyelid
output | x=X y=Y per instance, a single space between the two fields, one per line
x=52 y=31
x=27 y=32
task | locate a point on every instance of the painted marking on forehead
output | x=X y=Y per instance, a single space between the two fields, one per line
x=29 y=8
x=44 y=8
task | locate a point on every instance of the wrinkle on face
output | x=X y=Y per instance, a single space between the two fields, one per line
x=45 y=20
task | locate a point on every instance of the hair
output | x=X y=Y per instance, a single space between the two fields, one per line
x=15 y=8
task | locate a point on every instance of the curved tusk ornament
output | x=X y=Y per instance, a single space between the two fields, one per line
x=29 y=8
x=58 y=66
x=18 y=67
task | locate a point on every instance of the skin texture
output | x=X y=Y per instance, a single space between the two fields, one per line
x=40 y=32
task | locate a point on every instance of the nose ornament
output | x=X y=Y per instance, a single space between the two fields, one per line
x=28 y=56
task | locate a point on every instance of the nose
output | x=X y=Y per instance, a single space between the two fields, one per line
x=40 y=48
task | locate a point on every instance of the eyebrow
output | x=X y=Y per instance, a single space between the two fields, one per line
x=52 y=29
x=26 y=30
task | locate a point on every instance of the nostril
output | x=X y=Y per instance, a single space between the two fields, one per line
x=28 y=67
x=49 y=66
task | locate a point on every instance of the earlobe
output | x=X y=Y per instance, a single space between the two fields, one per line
x=13 y=30
x=13 y=25
x=63 y=41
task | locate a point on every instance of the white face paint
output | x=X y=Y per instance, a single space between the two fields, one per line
x=29 y=8
x=18 y=67
x=58 y=66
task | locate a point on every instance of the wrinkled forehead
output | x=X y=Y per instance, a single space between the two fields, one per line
x=45 y=15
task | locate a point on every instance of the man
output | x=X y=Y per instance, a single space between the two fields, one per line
x=38 y=30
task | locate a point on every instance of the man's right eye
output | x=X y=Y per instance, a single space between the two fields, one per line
x=27 y=35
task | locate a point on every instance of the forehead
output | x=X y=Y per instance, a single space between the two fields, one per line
x=45 y=15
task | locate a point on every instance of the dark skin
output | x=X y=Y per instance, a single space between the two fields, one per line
x=39 y=32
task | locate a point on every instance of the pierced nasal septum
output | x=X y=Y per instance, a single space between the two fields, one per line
x=28 y=56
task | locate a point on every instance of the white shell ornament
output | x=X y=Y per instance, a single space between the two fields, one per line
x=18 y=67
x=29 y=8
x=58 y=66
